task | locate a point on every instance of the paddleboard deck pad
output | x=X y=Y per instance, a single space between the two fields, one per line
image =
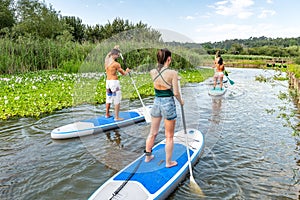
x=99 y=124
x=152 y=180
x=217 y=91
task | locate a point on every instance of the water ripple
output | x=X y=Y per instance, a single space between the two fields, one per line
x=249 y=154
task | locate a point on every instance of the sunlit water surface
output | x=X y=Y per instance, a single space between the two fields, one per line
x=249 y=153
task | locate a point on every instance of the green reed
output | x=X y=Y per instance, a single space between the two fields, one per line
x=27 y=54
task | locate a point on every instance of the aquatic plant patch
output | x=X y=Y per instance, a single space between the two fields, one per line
x=36 y=93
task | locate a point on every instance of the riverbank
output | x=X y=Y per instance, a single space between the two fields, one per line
x=258 y=62
x=38 y=93
x=294 y=84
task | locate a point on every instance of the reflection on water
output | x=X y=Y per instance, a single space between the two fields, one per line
x=114 y=137
x=249 y=154
x=216 y=109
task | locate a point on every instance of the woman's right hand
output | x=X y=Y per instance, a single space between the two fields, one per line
x=182 y=102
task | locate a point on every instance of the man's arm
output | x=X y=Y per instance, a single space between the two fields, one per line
x=119 y=68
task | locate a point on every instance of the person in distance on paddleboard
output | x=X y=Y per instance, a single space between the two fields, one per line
x=113 y=87
x=219 y=70
x=165 y=83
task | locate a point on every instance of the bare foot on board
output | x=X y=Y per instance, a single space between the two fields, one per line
x=172 y=164
x=149 y=158
x=119 y=119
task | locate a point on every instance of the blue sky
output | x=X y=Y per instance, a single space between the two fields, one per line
x=194 y=20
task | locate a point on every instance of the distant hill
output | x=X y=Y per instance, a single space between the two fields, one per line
x=246 y=43
x=255 y=42
x=277 y=47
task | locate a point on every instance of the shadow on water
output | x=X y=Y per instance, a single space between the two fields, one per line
x=249 y=154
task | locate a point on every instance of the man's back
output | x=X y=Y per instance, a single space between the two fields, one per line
x=111 y=71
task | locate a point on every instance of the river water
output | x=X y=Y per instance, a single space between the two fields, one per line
x=249 y=153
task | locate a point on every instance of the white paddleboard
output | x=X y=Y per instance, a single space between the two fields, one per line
x=98 y=124
x=152 y=180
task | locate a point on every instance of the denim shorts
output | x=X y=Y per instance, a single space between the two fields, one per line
x=164 y=107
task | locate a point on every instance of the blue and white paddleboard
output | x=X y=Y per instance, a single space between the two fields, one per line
x=98 y=124
x=152 y=180
x=217 y=91
x=211 y=82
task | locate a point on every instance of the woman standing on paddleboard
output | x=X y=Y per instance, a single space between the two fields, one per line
x=219 y=65
x=166 y=87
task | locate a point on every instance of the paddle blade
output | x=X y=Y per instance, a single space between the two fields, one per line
x=147 y=115
x=195 y=188
x=226 y=74
x=231 y=81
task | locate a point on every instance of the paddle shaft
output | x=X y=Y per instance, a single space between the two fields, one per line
x=133 y=82
x=147 y=116
x=185 y=133
x=137 y=90
x=193 y=184
x=115 y=193
x=186 y=141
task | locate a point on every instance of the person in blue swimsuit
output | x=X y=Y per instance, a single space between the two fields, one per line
x=166 y=87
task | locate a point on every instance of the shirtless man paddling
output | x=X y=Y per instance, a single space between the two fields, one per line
x=113 y=87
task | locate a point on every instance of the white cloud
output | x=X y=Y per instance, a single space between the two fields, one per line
x=223 y=32
x=269 y=1
x=244 y=15
x=266 y=13
x=189 y=17
x=196 y=16
x=275 y=31
x=235 y=29
x=240 y=9
x=221 y=2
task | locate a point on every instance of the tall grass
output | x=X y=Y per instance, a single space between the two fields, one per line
x=27 y=54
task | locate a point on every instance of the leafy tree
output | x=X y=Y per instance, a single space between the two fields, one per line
x=35 y=18
x=76 y=26
x=236 y=48
x=94 y=33
x=7 y=17
x=98 y=32
x=293 y=51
